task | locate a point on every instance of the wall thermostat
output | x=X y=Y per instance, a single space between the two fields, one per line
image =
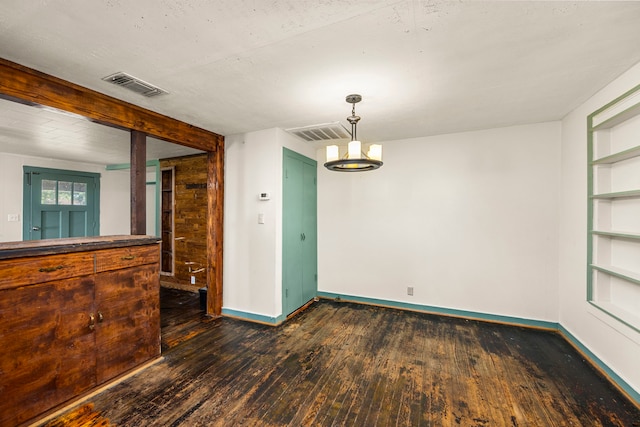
x=264 y=196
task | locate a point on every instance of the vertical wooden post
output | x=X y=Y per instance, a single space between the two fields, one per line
x=215 y=204
x=138 y=182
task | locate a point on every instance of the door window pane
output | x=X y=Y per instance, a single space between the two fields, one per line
x=64 y=192
x=48 y=193
x=80 y=193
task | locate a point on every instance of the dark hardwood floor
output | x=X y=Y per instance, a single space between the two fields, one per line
x=181 y=317
x=343 y=364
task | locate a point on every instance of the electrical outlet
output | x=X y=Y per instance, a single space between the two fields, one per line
x=410 y=290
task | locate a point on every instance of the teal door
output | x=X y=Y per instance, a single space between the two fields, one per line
x=59 y=203
x=299 y=230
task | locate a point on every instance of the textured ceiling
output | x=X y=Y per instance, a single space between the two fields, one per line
x=422 y=67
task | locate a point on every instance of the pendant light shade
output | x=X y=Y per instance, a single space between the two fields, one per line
x=355 y=148
x=333 y=153
x=354 y=160
x=375 y=152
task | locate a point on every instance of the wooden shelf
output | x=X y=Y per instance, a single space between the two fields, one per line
x=620 y=273
x=618 y=195
x=618 y=234
x=622 y=315
x=618 y=157
x=617 y=113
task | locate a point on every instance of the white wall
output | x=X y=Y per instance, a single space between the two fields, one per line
x=253 y=252
x=114 y=219
x=468 y=220
x=115 y=202
x=615 y=344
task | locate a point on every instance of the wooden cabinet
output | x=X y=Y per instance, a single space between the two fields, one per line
x=47 y=348
x=74 y=313
x=127 y=309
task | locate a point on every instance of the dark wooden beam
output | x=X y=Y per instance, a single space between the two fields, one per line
x=215 y=205
x=22 y=84
x=138 y=182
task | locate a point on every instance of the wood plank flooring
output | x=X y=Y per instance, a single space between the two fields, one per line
x=181 y=318
x=341 y=364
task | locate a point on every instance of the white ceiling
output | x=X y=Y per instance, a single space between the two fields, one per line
x=47 y=133
x=422 y=67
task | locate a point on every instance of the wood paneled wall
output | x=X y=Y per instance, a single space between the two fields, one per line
x=190 y=219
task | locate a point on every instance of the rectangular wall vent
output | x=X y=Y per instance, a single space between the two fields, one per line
x=134 y=84
x=322 y=132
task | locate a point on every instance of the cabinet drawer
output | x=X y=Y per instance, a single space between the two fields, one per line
x=114 y=259
x=30 y=270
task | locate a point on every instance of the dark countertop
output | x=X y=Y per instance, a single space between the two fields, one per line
x=26 y=248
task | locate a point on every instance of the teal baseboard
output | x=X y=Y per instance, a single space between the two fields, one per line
x=440 y=310
x=252 y=317
x=472 y=315
x=613 y=377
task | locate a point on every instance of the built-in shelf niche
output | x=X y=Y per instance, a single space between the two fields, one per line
x=614 y=209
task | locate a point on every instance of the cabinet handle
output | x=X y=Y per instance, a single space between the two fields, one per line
x=100 y=317
x=127 y=258
x=51 y=269
x=92 y=321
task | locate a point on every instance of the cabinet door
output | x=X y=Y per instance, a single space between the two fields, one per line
x=48 y=347
x=128 y=312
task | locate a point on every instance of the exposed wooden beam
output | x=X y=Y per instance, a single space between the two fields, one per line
x=29 y=86
x=215 y=205
x=138 y=182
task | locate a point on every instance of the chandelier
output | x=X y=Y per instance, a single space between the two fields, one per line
x=354 y=159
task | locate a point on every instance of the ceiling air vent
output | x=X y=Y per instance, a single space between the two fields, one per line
x=323 y=132
x=134 y=84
